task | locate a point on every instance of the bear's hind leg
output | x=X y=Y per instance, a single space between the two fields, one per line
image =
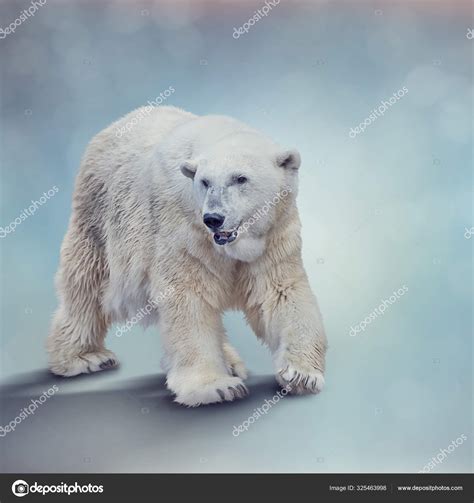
x=76 y=341
x=234 y=362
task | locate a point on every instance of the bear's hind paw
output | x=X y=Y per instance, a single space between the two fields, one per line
x=84 y=363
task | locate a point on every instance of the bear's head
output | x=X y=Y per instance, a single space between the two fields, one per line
x=241 y=187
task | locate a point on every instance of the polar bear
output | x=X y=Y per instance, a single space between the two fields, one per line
x=203 y=208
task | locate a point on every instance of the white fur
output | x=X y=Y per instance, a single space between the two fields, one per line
x=137 y=230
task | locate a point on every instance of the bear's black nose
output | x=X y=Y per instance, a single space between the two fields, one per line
x=213 y=220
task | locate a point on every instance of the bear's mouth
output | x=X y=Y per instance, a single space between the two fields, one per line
x=225 y=237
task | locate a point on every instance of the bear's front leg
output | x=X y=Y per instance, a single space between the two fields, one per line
x=193 y=335
x=289 y=320
x=300 y=355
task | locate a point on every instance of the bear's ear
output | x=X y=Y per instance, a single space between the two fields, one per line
x=289 y=159
x=188 y=168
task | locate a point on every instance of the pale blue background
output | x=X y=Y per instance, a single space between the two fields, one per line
x=382 y=210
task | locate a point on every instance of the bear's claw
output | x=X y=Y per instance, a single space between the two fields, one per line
x=222 y=389
x=84 y=363
x=110 y=363
x=299 y=382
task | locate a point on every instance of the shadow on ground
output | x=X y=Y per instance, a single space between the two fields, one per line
x=132 y=426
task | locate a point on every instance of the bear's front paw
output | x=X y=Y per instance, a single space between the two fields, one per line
x=221 y=389
x=300 y=381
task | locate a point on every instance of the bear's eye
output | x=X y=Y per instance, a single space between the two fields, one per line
x=241 y=180
x=205 y=183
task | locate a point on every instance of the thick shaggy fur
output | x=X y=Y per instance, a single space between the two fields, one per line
x=136 y=230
